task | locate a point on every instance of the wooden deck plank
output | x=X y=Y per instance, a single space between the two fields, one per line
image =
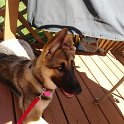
x=72 y=109
x=106 y=44
x=112 y=66
x=102 y=43
x=108 y=73
x=115 y=45
x=96 y=72
x=94 y=88
x=86 y=99
x=120 y=57
x=109 y=46
x=6 y=106
x=54 y=113
x=93 y=112
x=119 y=45
x=116 y=62
x=113 y=80
x=107 y=106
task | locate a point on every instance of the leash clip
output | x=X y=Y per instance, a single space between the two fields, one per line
x=42 y=93
x=45 y=93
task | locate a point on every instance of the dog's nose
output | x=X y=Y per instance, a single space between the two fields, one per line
x=78 y=89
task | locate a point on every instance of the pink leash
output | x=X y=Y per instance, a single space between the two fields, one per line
x=45 y=93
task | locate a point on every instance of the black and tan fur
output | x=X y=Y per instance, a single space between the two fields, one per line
x=53 y=68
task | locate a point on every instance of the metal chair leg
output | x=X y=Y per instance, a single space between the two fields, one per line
x=98 y=100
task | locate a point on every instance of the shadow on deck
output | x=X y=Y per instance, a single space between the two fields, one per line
x=97 y=75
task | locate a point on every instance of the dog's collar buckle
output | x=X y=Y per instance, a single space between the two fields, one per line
x=45 y=93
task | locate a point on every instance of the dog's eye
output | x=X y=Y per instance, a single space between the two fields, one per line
x=60 y=68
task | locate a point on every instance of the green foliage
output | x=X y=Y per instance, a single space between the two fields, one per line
x=23 y=30
x=2 y=3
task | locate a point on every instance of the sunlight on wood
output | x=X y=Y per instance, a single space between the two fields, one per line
x=10 y=122
x=81 y=67
x=120 y=103
x=104 y=74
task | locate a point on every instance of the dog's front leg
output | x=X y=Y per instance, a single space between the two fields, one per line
x=40 y=121
x=34 y=116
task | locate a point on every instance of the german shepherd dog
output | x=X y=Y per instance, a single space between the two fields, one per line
x=53 y=68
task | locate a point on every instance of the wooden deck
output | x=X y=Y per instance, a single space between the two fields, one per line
x=97 y=74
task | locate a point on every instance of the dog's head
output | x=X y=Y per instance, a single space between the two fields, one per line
x=56 y=64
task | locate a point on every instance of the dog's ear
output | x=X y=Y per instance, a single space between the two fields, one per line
x=68 y=44
x=56 y=42
x=68 y=41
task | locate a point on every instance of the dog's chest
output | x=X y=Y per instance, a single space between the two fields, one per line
x=42 y=104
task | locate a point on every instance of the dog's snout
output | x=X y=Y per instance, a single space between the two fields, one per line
x=73 y=86
x=78 y=89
